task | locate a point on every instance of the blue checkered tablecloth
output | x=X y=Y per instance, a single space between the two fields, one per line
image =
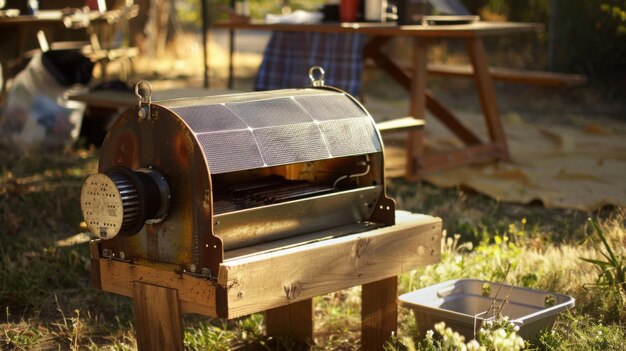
x=289 y=55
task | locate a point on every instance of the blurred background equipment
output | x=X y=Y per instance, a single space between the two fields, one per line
x=37 y=111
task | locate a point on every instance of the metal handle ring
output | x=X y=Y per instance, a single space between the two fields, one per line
x=143 y=99
x=316 y=82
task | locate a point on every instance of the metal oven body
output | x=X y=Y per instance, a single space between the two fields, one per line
x=181 y=182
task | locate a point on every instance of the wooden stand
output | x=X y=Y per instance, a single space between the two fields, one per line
x=293 y=322
x=157 y=318
x=379 y=313
x=280 y=278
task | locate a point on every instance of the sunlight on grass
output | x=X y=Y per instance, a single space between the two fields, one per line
x=47 y=299
x=205 y=336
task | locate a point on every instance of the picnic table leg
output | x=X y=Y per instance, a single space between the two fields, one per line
x=231 y=59
x=158 y=319
x=293 y=322
x=487 y=94
x=417 y=107
x=379 y=313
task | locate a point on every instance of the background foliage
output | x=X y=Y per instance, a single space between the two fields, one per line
x=584 y=36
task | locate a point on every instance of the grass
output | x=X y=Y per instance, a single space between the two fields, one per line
x=48 y=303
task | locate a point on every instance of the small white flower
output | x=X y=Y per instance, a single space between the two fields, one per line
x=473 y=345
x=500 y=333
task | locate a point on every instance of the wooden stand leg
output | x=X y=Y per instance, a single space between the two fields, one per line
x=293 y=322
x=158 y=319
x=379 y=313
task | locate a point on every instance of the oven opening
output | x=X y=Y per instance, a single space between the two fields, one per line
x=267 y=186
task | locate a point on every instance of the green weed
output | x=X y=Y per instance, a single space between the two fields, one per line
x=72 y=331
x=610 y=284
x=21 y=336
x=339 y=311
x=250 y=329
x=207 y=336
x=582 y=333
x=613 y=265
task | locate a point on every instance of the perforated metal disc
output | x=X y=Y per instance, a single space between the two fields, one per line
x=102 y=206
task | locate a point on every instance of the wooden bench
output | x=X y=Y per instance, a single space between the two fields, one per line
x=406 y=154
x=547 y=79
x=396 y=149
x=407 y=157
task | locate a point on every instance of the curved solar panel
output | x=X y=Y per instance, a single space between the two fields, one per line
x=280 y=130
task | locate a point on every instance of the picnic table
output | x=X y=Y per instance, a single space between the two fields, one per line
x=414 y=79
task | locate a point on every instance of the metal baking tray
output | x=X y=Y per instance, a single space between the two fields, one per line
x=462 y=304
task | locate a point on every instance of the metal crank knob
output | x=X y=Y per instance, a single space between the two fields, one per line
x=120 y=201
